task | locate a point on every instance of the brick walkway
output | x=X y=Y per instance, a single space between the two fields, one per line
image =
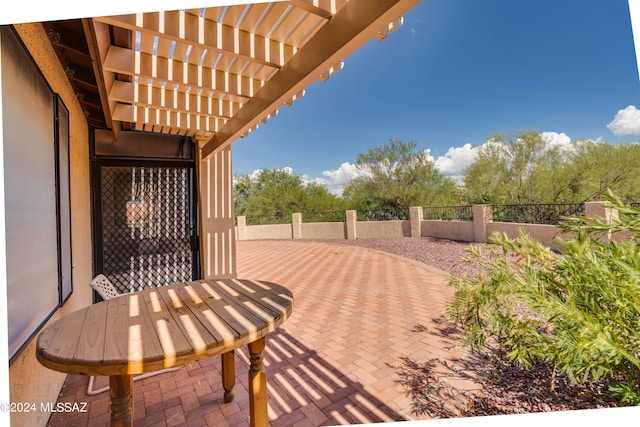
x=359 y=316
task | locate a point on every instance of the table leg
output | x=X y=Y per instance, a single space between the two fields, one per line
x=120 y=390
x=228 y=375
x=257 y=385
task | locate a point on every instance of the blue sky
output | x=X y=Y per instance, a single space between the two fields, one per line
x=455 y=73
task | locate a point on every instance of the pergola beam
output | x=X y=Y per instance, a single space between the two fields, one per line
x=353 y=25
x=166 y=118
x=152 y=96
x=193 y=30
x=98 y=40
x=123 y=61
x=311 y=8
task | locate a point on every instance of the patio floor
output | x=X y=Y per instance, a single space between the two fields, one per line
x=359 y=316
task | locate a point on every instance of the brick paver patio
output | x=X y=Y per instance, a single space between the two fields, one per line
x=357 y=314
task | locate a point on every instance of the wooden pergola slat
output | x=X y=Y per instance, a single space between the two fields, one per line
x=167 y=117
x=216 y=73
x=124 y=61
x=149 y=96
x=193 y=30
x=355 y=23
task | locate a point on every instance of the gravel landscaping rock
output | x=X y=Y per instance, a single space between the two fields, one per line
x=440 y=253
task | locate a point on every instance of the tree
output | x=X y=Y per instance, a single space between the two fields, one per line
x=398 y=176
x=603 y=167
x=318 y=199
x=556 y=178
x=277 y=193
x=519 y=168
x=579 y=311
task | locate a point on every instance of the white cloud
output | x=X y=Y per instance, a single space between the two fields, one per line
x=455 y=160
x=336 y=179
x=554 y=139
x=254 y=175
x=626 y=122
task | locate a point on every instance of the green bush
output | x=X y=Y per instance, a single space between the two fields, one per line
x=578 y=309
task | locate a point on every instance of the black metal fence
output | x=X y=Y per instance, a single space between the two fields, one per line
x=549 y=213
x=275 y=218
x=536 y=213
x=383 y=215
x=447 y=213
x=328 y=216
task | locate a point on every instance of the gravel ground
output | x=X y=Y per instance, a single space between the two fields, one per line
x=440 y=253
x=506 y=389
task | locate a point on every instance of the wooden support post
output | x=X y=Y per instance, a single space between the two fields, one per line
x=257 y=385
x=121 y=392
x=228 y=375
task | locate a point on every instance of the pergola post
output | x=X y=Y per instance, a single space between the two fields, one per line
x=217 y=223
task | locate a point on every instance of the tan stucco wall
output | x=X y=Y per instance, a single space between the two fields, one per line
x=452 y=230
x=323 y=230
x=540 y=232
x=327 y=230
x=382 y=229
x=272 y=231
x=28 y=380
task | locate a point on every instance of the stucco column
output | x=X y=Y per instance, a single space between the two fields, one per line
x=352 y=217
x=593 y=210
x=598 y=210
x=242 y=228
x=217 y=228
x=296 y=225
x=415 y=216
x=482 y=214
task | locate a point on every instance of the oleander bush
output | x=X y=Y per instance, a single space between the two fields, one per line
x=577 y=309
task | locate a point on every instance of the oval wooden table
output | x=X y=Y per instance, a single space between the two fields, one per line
x=169 y=326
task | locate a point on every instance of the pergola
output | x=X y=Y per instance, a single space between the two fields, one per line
x=213 y=74
x=209 y=75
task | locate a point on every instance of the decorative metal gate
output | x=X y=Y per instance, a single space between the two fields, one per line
x=145 y=225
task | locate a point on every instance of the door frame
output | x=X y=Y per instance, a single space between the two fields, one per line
x=98 y=163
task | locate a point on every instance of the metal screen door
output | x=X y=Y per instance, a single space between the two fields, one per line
x=145 y=227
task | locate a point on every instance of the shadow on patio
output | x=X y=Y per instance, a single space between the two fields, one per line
x=304 y=389
x=359 y=317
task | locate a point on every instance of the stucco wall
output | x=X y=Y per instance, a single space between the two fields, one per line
x=28 y=380
x=323 y=230
x=623 y=235
x=382 y=229
x=452 y=230
x=478 y=230
x=271 y=231
x=540 y=232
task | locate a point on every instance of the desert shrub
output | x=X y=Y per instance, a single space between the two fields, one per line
x=578 y=309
